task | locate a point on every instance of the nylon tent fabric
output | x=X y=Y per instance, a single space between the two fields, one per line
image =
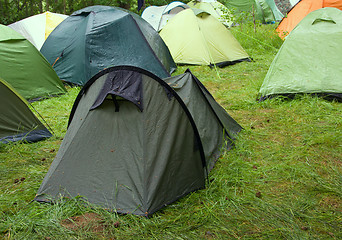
x=300 y=10
x=17 y=122
x=149 y=150
x=309 y=59
x=158 y=16
x=216 y=9
x=217 y=129
x=242 y=5
x=98 y=37
x=195 y=37
x=22 y=66
x=294 y=2
x=275 y=10
x=266 y=11
x=38 y=27
x=285 y=6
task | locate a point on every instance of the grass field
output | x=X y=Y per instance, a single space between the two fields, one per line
x=283 y=179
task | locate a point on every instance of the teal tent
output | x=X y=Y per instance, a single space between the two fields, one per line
x=22 y=66
x=17 y=122
x=136 y=143
x=309 y=61
x=99 y=37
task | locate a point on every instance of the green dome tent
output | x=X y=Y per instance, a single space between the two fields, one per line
x=266 y=11
x=98 y=37
x=309 y=61
x=195 y=37
x=22 y=66
x=17 y=122
x=155 y=140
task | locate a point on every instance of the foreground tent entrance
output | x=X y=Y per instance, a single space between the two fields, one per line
x=17 y=122
x=134 y=144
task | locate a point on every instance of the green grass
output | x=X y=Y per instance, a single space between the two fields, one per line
x=283 y=179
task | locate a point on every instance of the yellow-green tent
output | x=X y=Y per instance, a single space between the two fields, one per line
x=193 y=36
x=215 y=8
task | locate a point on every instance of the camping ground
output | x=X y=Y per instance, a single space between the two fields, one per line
x=282 y=180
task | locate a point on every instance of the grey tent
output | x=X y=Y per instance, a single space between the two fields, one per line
x=17 y=122
x=136 y=143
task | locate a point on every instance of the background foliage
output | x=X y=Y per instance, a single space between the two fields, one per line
x=15 y=10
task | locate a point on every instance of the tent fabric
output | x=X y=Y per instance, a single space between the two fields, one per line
x=216 y=9
x=278 y=15
x=294 y=2
x=17 y=122
x=195 y=37
x=99 y=37
x=212 y=121
x=158 y=16
x=22 y=65
x=38 y=27
x=309 y=59
x=144 y=158
x=266 y=10
x=300 y=10
x=285 y=6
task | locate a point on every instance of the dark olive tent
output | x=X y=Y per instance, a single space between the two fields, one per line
x=22 y=66
x=136 y=143
x=99 y=37
x=17 y=122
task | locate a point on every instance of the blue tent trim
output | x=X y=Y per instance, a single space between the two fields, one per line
x=32 y=136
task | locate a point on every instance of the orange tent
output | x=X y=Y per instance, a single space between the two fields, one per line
x=300 y=10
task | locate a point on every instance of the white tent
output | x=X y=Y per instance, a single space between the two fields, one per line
x=158 y=16
x=38 y=27
x=215 y=8
x=294 y=2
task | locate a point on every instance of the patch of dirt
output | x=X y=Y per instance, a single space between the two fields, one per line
x=331 y=202
x=88 y=221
